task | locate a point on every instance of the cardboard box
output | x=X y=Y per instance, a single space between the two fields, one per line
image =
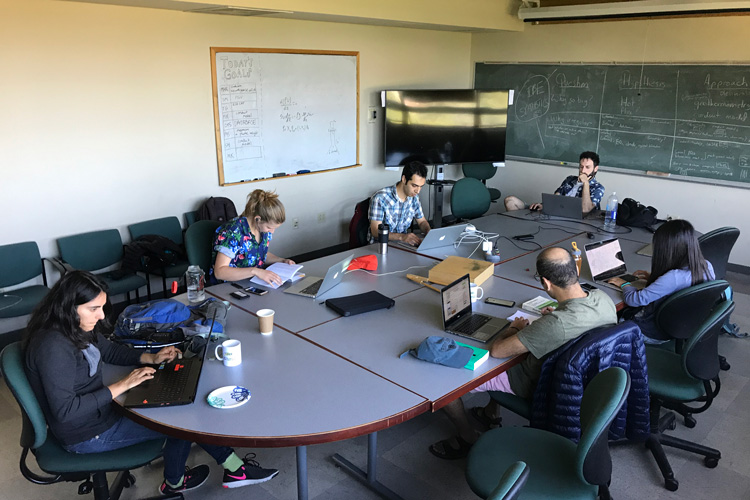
x=454 y=267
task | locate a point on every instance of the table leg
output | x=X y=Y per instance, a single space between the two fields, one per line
x=302 y=472
x=369 y=479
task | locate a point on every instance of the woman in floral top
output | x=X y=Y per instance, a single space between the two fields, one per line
x=241 y=245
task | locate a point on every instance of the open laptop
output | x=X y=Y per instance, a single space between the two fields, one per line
x=606 y=261
x=458 y=317
x=311 y=286
x=558 y=205
x=174 y=383
x=438 y=237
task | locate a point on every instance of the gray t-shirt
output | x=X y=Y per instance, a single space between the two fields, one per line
x=571 y=319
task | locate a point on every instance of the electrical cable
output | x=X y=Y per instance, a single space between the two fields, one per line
x=7 y=296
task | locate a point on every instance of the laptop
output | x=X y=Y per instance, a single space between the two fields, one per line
x=458 y=317
x=606 y=261
x=311 y=286
x=174 y=383
x=438 y=237
x=558 y=205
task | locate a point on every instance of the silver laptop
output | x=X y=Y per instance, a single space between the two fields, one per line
x=606 y=261
x=438 y=237
x=458 y=317
x=310 y=286
x=558 y=205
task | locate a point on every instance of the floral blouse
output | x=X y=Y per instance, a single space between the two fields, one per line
x=235 y=240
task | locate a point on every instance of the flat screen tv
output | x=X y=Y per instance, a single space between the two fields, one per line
x=445 y=126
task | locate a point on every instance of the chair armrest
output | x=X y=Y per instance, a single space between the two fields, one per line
x=511 y=483
x=59 y=264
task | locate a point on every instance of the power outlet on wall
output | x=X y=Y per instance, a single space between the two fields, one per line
x=372 y=114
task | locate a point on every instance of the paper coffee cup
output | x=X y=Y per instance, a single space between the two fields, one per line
x=265 y=319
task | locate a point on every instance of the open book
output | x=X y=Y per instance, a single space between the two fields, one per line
x=285 y=271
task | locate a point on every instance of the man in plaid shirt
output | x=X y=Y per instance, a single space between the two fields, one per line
x=583 y=186
x=398 y=205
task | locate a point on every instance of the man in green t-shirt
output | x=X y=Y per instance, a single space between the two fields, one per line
x=577 y=312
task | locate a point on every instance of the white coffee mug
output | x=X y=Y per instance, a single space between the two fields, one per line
x=476 y=292
x=231 y=352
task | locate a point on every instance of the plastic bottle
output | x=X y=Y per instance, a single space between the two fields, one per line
x=610 y=218
x=195 y=280
x=577 y=257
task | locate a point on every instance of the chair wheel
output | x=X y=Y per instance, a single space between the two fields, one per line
x=724 y=365
x=85 y=488
x=671 y=484
x=710 y=462
x=673 y=425
x=689 y=422
x=129 y=481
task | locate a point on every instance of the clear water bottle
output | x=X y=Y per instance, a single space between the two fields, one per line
x=195 y=280
x=610 y=218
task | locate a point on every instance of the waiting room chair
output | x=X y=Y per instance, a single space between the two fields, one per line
x=469 y=199
x=199 y=242
x=559 y=468
x=21 y=262
x=690 y=375
x=482 y=172
x=89 y=469
x=97 y=250
x=169 y=227
x=190 y=218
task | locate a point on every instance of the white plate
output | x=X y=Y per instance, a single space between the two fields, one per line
x=227 y=397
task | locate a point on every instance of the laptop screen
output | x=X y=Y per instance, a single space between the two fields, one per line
x=605 y=259
x=456 y=300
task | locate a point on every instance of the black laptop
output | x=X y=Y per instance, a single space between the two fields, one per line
x=458 y=317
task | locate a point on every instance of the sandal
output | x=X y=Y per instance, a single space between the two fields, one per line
x=480 y=416
x=444 y=449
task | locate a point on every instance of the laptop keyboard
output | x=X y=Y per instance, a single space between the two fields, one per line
x=472 y=324
x=312 y=289
x=171 y=384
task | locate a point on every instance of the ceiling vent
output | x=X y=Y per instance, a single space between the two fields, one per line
x=531 y=12
x=228 y=10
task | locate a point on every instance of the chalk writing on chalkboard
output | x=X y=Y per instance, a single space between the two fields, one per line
x=686 y=120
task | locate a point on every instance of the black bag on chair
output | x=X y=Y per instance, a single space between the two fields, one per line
x=632 y=214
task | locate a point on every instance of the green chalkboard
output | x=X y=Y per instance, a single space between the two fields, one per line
x=686 y=121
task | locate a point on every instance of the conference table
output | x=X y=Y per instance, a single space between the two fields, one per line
x=321 y=377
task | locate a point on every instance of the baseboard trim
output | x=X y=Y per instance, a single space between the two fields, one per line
x=736 y=268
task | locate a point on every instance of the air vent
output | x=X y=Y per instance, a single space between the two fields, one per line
x=237 y=11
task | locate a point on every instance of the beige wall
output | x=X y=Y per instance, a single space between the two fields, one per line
x=107 y=116
x=714 y=39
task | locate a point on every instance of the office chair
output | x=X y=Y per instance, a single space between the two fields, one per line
x=190 y=218
x=482 y=172
x=90 y=469
x=559 y=468
x=359 y=226
x=97 y=250
x=199 y=241
x=512 y=482
x=469 y=199
x=676 y=378
x=716 y=246
x=20 y=262
x=169 y=227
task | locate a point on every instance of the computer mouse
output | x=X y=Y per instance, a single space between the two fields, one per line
x=590 y=235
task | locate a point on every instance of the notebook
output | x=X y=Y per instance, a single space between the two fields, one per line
x=311 y=286
x=562 y=206
x=606 y=261
x=458 y=317
x=174 y=383
x=438 y=237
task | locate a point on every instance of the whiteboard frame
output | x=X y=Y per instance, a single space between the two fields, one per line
x=217 y=119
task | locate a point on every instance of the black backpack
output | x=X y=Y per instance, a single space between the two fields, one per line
x=633 y=214
x=217 y=208
x=151 y=252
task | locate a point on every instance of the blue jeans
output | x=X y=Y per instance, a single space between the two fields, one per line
x=125 y=432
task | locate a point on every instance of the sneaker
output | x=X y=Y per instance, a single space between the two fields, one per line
x=250 y=473
x=192 y=479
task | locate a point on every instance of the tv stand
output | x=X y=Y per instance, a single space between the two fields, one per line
x=437 y=209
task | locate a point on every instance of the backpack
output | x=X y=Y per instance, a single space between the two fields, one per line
x=360 y=224
x=219 y=209
x=151 y=252
x=633 y=214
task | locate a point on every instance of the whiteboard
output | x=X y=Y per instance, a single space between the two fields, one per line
x=284 y=111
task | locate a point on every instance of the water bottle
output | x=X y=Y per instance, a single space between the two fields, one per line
x=383 y=230
x=195 y=279
x=610 y=218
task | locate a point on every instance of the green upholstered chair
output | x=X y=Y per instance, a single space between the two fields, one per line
x=469 y=199
x=21 y=262
x=559 y=468
x=199 y=242
x=190 y=218
x=689 y=375
x=169 y=227
x=52 y=458
x=512 y=482
x=482 y=172
x=97 y=250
